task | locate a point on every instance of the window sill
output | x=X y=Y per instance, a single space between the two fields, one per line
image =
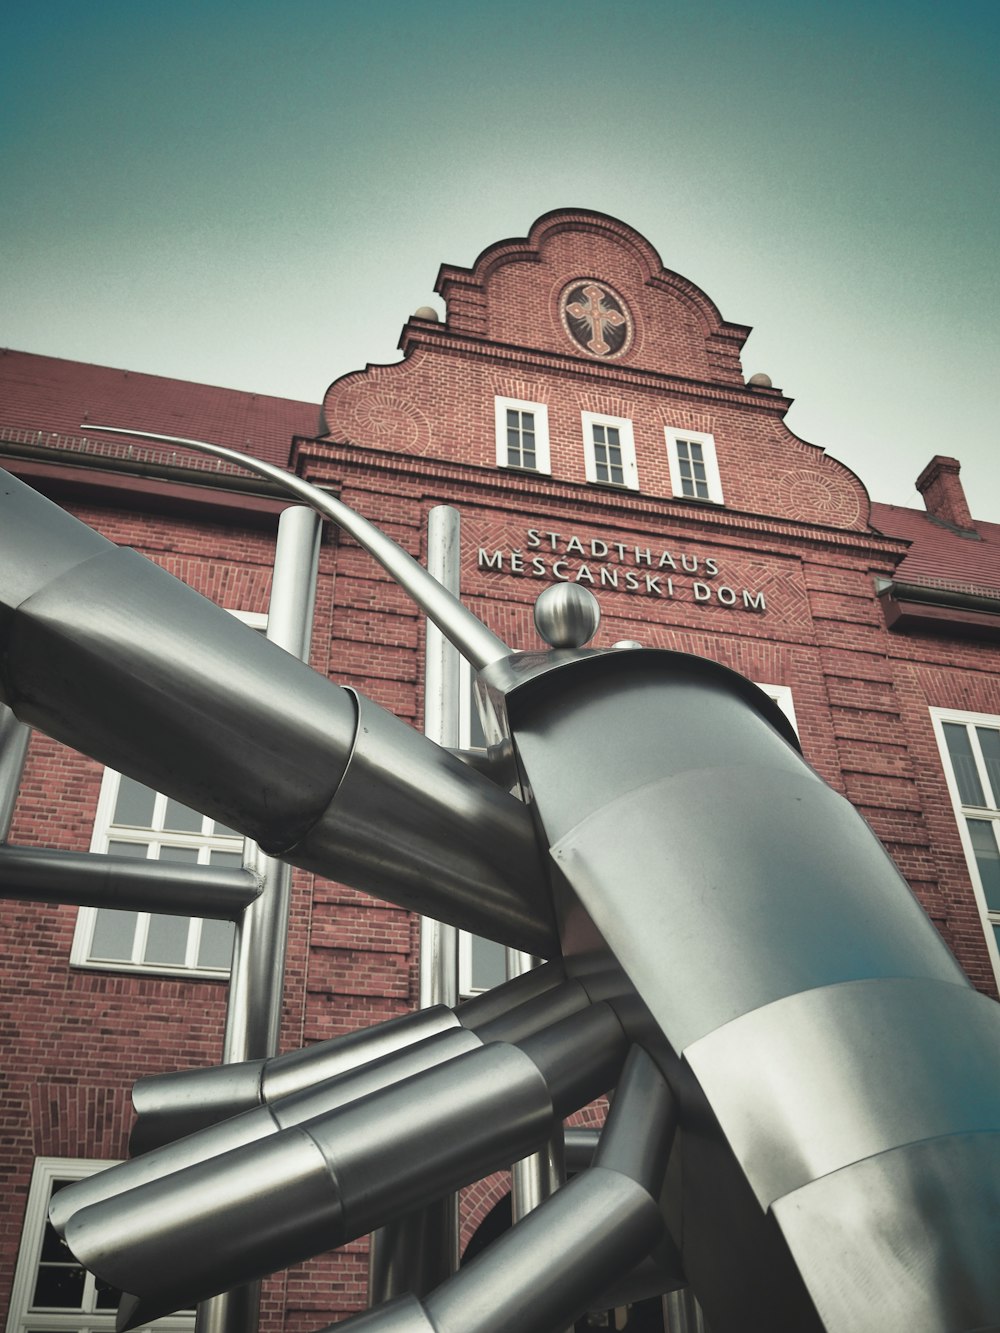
x=149 y=970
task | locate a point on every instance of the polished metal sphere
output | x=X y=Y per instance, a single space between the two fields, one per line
x=566 y=615
x=627 y=643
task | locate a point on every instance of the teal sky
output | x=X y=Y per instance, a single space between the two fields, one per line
x=258 y=194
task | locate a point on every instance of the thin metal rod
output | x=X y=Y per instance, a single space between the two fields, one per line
x=257 y=980
x=14 y=737
x=417 y=1252
x=465 y=630
x=439 y=942
x=91 y=879
x=536 y=1178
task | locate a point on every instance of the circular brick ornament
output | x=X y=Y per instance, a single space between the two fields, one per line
x=595 y=317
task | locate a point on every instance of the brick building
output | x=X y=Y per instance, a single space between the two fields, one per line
x=586 y=411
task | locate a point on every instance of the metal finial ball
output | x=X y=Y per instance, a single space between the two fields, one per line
x=566 y=615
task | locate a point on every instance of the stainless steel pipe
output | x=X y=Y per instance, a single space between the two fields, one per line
x=273 y=1202
x=319 y=777
x=550 y=1268
x=91 y=879
x=169 y=1106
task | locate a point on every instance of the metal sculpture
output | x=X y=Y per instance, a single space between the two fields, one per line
x=808 y=1108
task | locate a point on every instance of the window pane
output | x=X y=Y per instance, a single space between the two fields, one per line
x=222 y=831
x=108 y=1297
x=984 y=845
x=138 y=850
x=134 y=804
x=187 y=854
x=489 y=963
x=59 y=1288
x=217 y=858
x=181 y=818
x=114 y=933
x=216 y=947
x=166 y=940
x=963 y=764
x=989 y=743
x=54 y=1248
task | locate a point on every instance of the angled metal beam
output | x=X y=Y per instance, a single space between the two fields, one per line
x=465 y=630
x=91 y=879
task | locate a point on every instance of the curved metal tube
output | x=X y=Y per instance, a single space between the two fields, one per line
x=92 y=879
x=824 y=1044
x=291 y=1089
x=172 y=1105
x=555 y=1264
x=455 y=621
x=279 y=1199
x=199 y=706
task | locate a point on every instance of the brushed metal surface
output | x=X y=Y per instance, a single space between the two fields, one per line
x=295 y=1071
x=261 y=1122
x=478 y=1113
x=91 y=879
x=549 y=1269
x=405 y=1314
x=257 y=974
x=907 y=1240
x=579 y=1057
x=709 y=890
x=814 y=1082
x=305 y=1189
x=414 y=1254
x=280 y=740
x=280 y=736
x=406 y=813
x=222 y=1223
x=172 y=1105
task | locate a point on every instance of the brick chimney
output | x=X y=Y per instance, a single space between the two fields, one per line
x=943 y=493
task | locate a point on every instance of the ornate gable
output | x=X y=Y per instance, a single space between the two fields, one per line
x=573 y=354
x=585 y=285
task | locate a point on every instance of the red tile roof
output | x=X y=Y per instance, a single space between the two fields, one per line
x=45 y=399
x=46 y=396
x=940 y=557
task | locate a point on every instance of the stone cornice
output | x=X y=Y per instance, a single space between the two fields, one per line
x=421 y=334
x=605 y=505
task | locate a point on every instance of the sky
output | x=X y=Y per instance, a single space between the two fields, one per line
x=259 y=194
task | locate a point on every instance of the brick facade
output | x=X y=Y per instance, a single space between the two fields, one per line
x=779 y=582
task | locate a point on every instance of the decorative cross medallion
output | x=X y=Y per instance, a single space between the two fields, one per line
x=595 y=318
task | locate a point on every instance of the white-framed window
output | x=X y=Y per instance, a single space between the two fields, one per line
x=522 y=434
x=694 y=468
x=782 y=696
x=471 y=733
x=609 y=451
x=52 y=1293
x=482 y=964
x=970 y=753
x=133 y=820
